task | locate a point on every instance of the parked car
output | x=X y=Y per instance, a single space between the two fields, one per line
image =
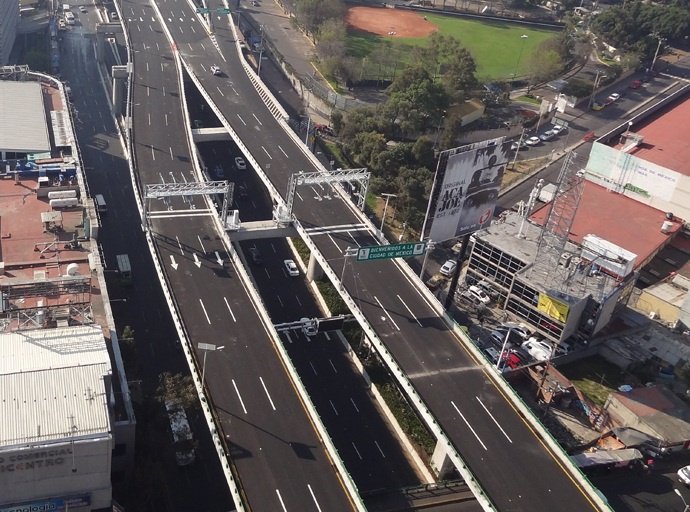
x=517 y=145
x=684 y=475
x=215 y=70
x=597 y=106
x=240 y=163
x=635 y=84
x=512 y=359
x=82 y=9
x=291 y=268
x=435 y=281
x=519 y=329
x=448 y=268
x=492 y=354
x=539 y=351
x=559 y=128
x=497 y=338
x=114 y=16
x=548 y=135
x=477 y=293
x=613 y=97
x=533 y=141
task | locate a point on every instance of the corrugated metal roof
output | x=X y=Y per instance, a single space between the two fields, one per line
x=23 y=125
x=51 y=384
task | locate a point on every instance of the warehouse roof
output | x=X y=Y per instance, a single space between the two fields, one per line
x=52 y=384
x=23 y=125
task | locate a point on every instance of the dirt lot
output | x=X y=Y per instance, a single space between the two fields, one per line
x=389 y=22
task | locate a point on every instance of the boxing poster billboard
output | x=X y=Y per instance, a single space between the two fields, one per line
x=466 y=187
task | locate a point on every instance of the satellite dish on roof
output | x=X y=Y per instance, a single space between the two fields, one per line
x=72 y=269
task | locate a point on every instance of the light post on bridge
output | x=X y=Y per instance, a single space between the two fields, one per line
x=524 y=38
x=385 y=208
x=207 y=347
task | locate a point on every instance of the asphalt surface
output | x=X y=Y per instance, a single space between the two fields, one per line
x=511 y=463
x=272 y=442
x=142 y=307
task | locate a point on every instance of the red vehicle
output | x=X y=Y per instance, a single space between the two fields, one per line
x=635 y=84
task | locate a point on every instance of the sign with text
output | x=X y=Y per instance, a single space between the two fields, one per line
x=388 y=252
x=467 y=184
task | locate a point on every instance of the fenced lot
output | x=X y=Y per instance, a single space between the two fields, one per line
x=383 y=40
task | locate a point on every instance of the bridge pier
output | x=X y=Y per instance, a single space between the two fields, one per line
x=314 y=270
x=441 y=462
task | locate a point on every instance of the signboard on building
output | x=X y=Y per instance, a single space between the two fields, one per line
x=555 y=308
x=64 y=503
x=466 y=187
x=387 y=252
x=623 y=172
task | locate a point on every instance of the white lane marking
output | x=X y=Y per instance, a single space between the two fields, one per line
x=221 y=92
x=148 y=93
x=325 y=333
x=333 y=366
x=283 y=152
x=333 y=407
x=163 y=89
x=147 y=66
x=300 y=197
x=354 y=405
x=205 y=313
x=358 y=454
x=193 y=29
x=240 y=118
x=385 y=311
x=231 y=87
x=280 y=498
x=267 y=393
x=336 y=245
x=353 y=239
x=318 y=507
x=281 y=302
x=380 y=450
x=179 y=245
x=267 y=153
x=153 y=154
x=494 y=419
x=201 y=243
x=257 y=119
x=299 y=302
x=230 y=309
x=171 y=154
x=239 y=396
x=410 y=311
x=468 y=425
x=166 y=119
x=312 y=368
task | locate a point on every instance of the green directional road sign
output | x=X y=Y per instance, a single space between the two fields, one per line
x=223 y=10
x=387 y=252
x=202 y=10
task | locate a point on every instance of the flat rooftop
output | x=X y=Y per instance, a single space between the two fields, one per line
x=23 y=126
x=621 y=220
x=52 y=383
x=666 y=139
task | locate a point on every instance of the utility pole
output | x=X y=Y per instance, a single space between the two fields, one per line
x=383 y=217
x=261 y=51
x=656 y=53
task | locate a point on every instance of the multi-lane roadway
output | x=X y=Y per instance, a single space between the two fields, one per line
x=272 y=441
x=511 y=461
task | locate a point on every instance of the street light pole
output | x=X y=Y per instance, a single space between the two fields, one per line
x=261 y=51
x=656 y=53
x=503 y=349
x=597 y=79
x=383 y=217
x=523 y=37
x=438 y=130
x=687 y=507
x=207 y=347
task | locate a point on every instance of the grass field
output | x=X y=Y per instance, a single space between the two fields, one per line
x=496 y=47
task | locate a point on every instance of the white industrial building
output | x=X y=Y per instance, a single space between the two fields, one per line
x=56 y=439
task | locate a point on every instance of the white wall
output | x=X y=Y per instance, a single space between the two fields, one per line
x=59 y=469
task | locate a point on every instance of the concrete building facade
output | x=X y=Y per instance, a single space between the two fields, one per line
x=9 y=21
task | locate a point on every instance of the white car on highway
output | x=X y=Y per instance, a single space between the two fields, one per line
x=291 y=268
x=215 y=70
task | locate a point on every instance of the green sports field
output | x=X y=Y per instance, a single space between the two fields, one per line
x=495 y=46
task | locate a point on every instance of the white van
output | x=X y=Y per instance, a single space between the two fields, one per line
x=101 y=205
x=69 y=18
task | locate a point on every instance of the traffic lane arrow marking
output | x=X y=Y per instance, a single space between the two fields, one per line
x=196 y=261
x=219 y=259
x=173 y=263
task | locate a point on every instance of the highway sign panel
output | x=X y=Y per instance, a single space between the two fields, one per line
x=387 y=252
x=202 y=10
